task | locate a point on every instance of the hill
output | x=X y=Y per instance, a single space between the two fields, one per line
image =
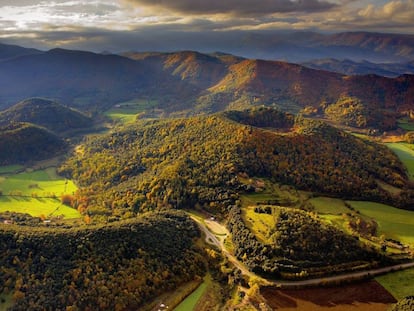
x=300 y=245
x=82 y=79
x=199 y=161
x=121 y=266
x=188 y=83
x=21 y=142
x=200 y=70
x=292 y=87
x=46 y=113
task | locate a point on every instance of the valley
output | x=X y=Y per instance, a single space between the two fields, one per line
x=252 y=184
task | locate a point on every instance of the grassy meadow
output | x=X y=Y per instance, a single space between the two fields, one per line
x=325 y=205
x=9 y=169
x=392 y=222
x=191 y=301
x=127 y=112
x=259 y=223
x=406 y=124
x=36 y=192
x=399 y=284
x=406 y=154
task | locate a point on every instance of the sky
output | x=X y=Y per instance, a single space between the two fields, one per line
x=122 y=25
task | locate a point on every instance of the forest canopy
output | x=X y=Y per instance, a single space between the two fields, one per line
x=119 y=266
x=181 y=163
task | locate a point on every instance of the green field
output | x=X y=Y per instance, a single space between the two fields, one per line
x=127 y=112
x=275 y=193
x=325 y=205
x=406 y=154
x=191 y=301
x=259 y=223
x=10 y=169
x=400 y=284
x=392 y=222
x=256 y=198
x=36 y=193
x=39 y=181
x=406 y=124
x=37 y=207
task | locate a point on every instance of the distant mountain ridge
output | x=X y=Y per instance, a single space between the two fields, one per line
x=70 y=76
x=188 y=83
x=349 y=67
x=11 y=51
x=290 y=46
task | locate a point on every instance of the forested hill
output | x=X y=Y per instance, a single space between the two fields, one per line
x=188 y=83
x=21 y=142
x=183 y=162
x=81 y=79
x=120 y=266
x=46 y=113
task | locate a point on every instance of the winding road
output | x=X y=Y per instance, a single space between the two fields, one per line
x=217 y=239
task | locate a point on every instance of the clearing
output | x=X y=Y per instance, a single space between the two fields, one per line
x=392 y=222
x=406 y=154
x=261 y=224
x=325 y=205
x=127 y=112
x=36 y=192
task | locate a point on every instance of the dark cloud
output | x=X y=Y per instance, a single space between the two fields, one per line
x=238 y=7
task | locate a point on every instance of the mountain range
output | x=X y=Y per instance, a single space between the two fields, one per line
x=291 y=46
x=189 y=82
x=350 y=67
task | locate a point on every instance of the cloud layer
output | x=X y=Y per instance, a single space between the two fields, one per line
x=130 y=24
x=237 y=7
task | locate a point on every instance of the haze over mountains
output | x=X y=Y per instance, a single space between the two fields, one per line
x=187 y=82
x=290 y=46
x=349 y=67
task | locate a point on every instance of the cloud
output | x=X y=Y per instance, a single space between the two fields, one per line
x=187 y=24
x=393 y=10
x=236 y=7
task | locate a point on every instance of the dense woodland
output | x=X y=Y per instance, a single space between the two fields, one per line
x=301 y=246
x=46 y=113
x=135 y=173
x=23 y=142
x=116 y=267
x=198 y=161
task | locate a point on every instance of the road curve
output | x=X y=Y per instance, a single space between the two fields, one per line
x=219 y=243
